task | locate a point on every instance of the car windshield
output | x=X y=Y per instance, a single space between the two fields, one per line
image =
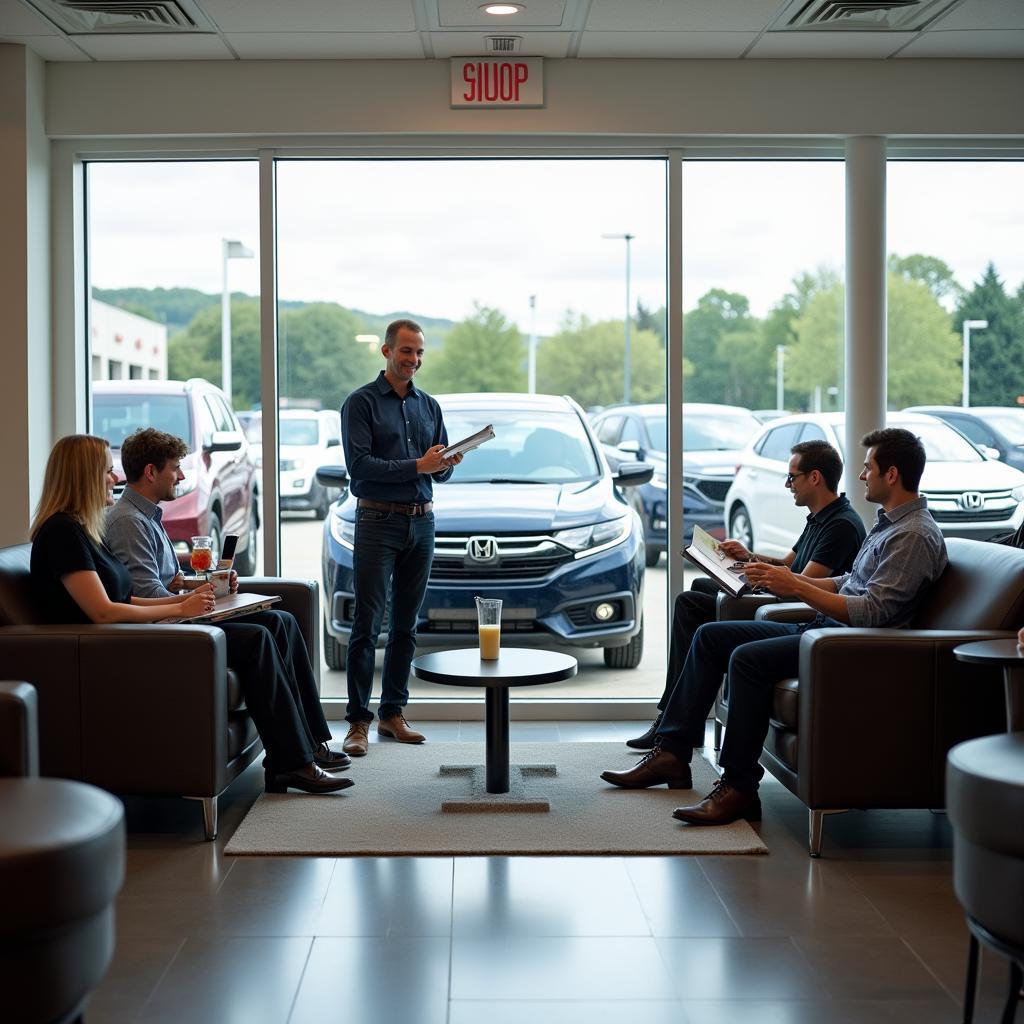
x=942 y=443
x=718 y=432
x=657 y=432
x=528 y=446
x=115 y=416
x=303 y=431
x=1009 y=423
x=252 y=426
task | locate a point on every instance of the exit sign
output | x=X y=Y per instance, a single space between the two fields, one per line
x=502 y=82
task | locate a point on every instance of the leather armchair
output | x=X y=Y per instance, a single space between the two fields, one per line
x=869 y=719
x=143 y=710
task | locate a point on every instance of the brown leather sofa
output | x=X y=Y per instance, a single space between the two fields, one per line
x=140 y=710
x=873 y=712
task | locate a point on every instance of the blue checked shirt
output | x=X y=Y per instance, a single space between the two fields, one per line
x=138 y=540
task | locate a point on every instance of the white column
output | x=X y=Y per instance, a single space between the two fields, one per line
x=270 y=518
x=674 y=388
x=865 y=305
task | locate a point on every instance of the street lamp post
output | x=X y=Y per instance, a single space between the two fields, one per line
x=969 y=325
x=780 y=376
x=229 y=251
x=627 y=356
x=531 y=358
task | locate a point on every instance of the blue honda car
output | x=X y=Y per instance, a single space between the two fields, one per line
x=534 y=517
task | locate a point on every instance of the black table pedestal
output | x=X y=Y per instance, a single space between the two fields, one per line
x=497 y=739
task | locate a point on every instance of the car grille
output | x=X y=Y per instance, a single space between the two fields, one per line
x=496 y=557
x=715 y=490
x=441 y=625
x=954 y=506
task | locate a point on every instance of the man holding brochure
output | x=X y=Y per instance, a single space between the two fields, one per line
x=265 y=649
x=395 y=441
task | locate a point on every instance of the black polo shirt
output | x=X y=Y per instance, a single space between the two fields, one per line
x=832 y=537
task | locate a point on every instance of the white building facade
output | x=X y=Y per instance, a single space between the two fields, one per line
x=126 y=346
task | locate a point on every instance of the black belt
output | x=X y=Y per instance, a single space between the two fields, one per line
x=401 y=508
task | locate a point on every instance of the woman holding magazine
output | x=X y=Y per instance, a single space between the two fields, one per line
x=76 y=579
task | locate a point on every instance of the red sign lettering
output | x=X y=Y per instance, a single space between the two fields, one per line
x=496 y=83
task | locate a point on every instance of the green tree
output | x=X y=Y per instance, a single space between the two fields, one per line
x=484 y=352
x=935 y=274
x=997 y=353
x=585 y=360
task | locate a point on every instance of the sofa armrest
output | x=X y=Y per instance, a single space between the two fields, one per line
x=19 y=730
x=731 y=608
x=878 y=708
x=791 y=611
x=300 y=597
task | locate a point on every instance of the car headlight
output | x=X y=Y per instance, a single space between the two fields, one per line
x=187 y=485
x=590 y=540
x=343 y=531
x=1018 y=493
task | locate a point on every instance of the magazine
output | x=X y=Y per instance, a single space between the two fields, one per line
x=726 y=573
x=230 y=607
x=467 y=444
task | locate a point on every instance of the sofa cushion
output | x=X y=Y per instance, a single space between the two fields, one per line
x=785 y=702
x=16 y=608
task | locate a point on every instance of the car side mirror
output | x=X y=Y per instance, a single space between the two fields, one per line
x=333 y=442
x=633 y=474
x=991 y=453
x=332 y=476
x=223 y=441
x=631 y=447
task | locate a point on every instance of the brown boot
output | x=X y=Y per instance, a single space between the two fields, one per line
x=654 y=769
x=398 y=729
x=722 y=806
x=357 y=740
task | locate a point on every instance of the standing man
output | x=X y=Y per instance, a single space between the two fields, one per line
x=393 y=436
x=903 y=554
x=827 y=546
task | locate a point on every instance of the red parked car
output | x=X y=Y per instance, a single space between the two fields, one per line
x=220 y=492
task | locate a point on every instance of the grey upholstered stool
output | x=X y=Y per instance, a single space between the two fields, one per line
x=985 y=798
x=61 y=865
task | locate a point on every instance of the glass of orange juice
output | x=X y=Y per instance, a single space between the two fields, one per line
x=488 y=612
x=202 y=554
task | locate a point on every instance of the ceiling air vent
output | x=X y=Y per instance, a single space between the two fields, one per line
x=117 y=17
x=860 y=15
x=503 y=44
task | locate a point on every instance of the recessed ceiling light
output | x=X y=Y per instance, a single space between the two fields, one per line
x=501 y=8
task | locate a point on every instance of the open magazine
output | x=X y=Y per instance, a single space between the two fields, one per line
x=231 y=607
x=467 y=444
x=706 y=553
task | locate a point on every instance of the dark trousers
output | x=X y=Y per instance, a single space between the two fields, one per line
x=267 y=652
x=693 y=608
x=756 y=655
x=391 y=552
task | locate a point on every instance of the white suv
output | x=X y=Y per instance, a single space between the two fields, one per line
x=308 y=439
x=968 y=494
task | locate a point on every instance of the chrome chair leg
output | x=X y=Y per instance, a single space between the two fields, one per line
x=815 y=821
x=971 y=985
x=209 y=814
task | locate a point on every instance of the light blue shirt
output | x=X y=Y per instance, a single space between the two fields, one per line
x=137 y=538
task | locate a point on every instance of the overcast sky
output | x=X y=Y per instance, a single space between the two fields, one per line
x=432 y=237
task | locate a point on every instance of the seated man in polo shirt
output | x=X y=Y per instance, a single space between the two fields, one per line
x=827 y=547
x=901 y=557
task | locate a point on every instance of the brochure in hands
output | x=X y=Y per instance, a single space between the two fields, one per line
x=706 y=553
x=467 y=444
x=231 y=607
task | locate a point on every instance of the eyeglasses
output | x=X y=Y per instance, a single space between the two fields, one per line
x=790 y=477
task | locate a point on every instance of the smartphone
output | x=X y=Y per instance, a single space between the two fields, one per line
x=227 y=553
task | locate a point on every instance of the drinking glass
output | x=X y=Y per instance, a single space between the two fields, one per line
x=202 y=554
x=488 y=612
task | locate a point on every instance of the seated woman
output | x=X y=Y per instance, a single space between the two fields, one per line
x=77 y=580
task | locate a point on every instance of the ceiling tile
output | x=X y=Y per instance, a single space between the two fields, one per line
x=982 y=14
x=665 y=44
x=467 y=14
x=18 y=20
x=326 y=45
x=468 y=44
x=311 y=15
x=967 y=44
x=53 y=48
x=156 y=47
x=674 y=16
x=808 y=45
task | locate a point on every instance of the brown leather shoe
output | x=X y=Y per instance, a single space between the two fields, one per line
x=654 y=769
x=357 y=740
x=314 y=781
x=398 y=729
x=722 y=806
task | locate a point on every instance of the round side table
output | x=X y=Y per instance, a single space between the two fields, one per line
x=1011 y=657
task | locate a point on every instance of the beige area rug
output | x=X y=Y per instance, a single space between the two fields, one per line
x=394 y=809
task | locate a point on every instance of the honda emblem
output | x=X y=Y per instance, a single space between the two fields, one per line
x=482 y=550
x=971 y=501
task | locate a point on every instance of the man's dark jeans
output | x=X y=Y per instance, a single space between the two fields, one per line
x=757 y=655
x=693 y=608
x=391 y=552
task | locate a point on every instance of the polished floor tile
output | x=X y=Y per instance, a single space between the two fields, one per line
x=677 y=899
x=816 y=1011
x=540 y=1012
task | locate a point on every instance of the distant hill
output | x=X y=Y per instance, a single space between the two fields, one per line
x=176 y=307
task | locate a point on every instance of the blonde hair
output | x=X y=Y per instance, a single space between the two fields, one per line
x=75 y=484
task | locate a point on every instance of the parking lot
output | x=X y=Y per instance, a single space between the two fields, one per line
x=301 y=539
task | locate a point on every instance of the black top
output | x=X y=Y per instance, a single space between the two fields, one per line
x=62 y=546
x=514 y=666
x=832 y=537
x=384 y=434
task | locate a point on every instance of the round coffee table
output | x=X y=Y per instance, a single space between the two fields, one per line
x=1010 y=656
x=514 y=667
